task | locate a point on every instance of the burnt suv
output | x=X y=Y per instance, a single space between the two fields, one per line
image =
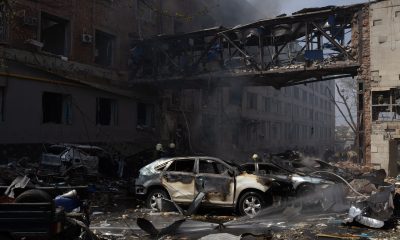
x=224 y=184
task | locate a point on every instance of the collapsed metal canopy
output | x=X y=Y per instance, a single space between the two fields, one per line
x=310 y=45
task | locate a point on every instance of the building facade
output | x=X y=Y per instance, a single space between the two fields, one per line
x=237 y=122
x=64 y=76
x=379 y=83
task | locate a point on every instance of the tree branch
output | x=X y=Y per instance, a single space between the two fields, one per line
x=341 y=112
x=347 y=106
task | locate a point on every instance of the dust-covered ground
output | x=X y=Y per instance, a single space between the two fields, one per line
x=119 y=221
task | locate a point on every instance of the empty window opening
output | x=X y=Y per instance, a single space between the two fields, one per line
x=251 y=101
x=104 y=48
x=106 y=112
x=211 y=167
x=145 y=115
x=54 y=34
x=182 y=165
x=57 y=108
x=235 y=97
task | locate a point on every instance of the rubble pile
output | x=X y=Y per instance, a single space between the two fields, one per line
x=311 y=199
x=353 y=167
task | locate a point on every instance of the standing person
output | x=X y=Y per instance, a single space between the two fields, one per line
x=159 y=151
x=171 y=150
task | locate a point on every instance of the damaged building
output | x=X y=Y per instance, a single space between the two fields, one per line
x=70 y=70
x=309 y=46
x=379 y=88
x=64 y=76
x=69 y=75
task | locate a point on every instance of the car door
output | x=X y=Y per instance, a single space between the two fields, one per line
x=213 y=177
x=178 y=179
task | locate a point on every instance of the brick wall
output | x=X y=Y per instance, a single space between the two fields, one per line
x=117 y=18
x=361 y=42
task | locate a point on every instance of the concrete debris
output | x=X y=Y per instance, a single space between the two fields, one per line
x=309 y=198
x=221 y=236
x=363 y=186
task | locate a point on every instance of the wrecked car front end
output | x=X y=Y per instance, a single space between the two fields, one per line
x=149 y=175
x=223 y=185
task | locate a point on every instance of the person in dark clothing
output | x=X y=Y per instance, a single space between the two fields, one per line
x=159 y=151
x=171 y=150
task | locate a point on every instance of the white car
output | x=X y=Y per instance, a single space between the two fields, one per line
x=182 y=178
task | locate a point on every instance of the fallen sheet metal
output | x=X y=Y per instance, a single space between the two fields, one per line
x=149 y=228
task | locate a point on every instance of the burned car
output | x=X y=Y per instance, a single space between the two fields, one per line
x=69 y=159
x=224 y=184
x=291 y=183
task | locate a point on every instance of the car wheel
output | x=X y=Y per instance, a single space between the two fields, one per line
x=151 y=201
x=33 y=196
x=251 y=203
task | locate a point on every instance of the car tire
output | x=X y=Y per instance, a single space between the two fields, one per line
x=33 y=196
x=153 y=195
x=250 y=203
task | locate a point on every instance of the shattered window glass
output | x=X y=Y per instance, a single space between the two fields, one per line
x=212 y=167
x=181 y=165
x=161 y=166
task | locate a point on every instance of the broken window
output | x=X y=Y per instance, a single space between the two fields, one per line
x=288 y=109
x=288 y=91
x=211 y=167
x=296 y=93
x=182 y=165
x=54 y=34
x=235 y=97
x=304 y=96
x=267 y=104
x=274 y=130
x=386 y=105
x=104 y=48
x=57 y=108
x=106 y=111
x=145 y=115
x=251 y=100
x=2 y=98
